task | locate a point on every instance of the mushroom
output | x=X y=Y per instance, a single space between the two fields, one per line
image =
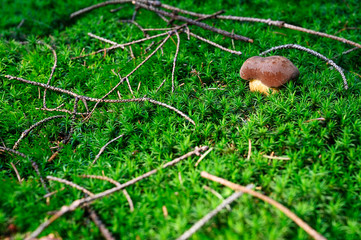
x=268 y=73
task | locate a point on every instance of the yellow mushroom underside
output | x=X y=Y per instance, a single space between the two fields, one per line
x=257 y=86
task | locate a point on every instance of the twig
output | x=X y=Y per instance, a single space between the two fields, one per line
x=279 y=206
x=129 y=74
x=33 y=164
x=27 y=131
x=102 y=39
x=211 y=214
x=277 y=158
x=67 y=138
x=122 y=45
x=53 y=193
x=130 y=87
x=5 y=149
x=52 y=69
x=175 y=59
x=16 y=172
x=165 y=211
x=88 y=9
x=127 y=196
x=315 y=119
x=104 y=231
x=103 y=148
x=266 y=21
x=249 y=149
x=196 y=23
x=161 y=85
x=101 y=100
x=346 y=52
x=314 y=53
x=215 y=193
x=71 y=184
x=215 y=44
x=80 y=202
x=203 y=156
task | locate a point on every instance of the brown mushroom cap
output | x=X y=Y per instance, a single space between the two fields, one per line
x=273 y=71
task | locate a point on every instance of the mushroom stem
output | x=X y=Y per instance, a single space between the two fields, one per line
x=256 y=85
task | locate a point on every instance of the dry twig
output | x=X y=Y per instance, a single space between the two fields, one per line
x=127 y=196
x=277 y=158
x=102 y=39
x=105 y=232
x=87 y=200
x=249 y=149
x=279 y=206
x=211 y=214
x=100 y=100
x=314 y=53
x=103 y=148
x=27 y=131
x=33 y=164
x=16 y=172
x=175 y=59
x=203 y=156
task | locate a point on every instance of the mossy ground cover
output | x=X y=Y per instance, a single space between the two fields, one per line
x=321 y=182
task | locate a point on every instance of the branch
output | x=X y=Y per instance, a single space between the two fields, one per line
x=103 y=148
x=100 y=100
x=27 y=131
x=127 y=196
x=175 y=59
x=211 y=214
x=87 y=200
x=279 y=206
x=196 y=23
x=314 y=53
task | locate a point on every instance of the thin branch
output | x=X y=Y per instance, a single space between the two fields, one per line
x=277 y=158
x=279 y=206
x=196 y=23
x=266 y=21
x=122 y=45
x=203 y=156
x=103 y=148
x=346 y=52
x=33 y=164
x=104 y=231
x=217 y=194
x=126 y=77
x=175 y=59
x=27 y=131
x=52 y=69
x=80 y=202
x=215 y=44
x=5 y=149
x=71 y=131
x=71 y=184
x=211 y=214
x=161 y=85
x=127 y=196
x=314 y=53
x=130 y=87
x=102 y=39
x=249 y=149
x=91 y=8
x=16 y=172
x=315 y=119
x=101 y=100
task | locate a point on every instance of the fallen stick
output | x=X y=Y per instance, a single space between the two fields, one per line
x=80 y=202
x=279 y=206
x=211 y=214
